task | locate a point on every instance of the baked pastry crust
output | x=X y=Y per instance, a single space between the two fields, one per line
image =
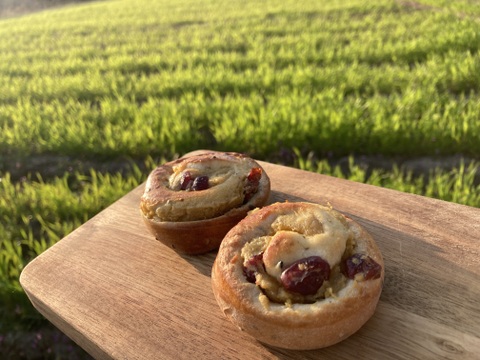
x=195 y=221
x=299 y=322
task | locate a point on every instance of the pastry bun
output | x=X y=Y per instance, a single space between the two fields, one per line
x=298 y=275
x=190 y=204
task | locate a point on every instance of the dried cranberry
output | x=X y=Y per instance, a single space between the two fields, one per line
x=186 y=181
x=200 y=183
x=361 y=264
x=254 y=175
x=253 y=180
x=249 y=275
x=252 y=266
x=306 y=276
x=189 y=182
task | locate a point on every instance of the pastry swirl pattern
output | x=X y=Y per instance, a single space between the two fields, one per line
x=190 y=203
x=298 y=275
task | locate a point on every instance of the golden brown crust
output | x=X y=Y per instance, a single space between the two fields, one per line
x=195 y=222
x=299 y=325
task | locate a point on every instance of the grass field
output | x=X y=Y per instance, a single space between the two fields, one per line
x=137 y=79
x=303 y=82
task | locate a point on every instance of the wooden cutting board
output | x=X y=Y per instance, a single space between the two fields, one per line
x=121 y=294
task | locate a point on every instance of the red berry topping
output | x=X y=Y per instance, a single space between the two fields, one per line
x=251 y=267
x=251 y=187
x=254 y=175
x=186 y=181
x=361 y=264
x=200 y=183
x=306 y=276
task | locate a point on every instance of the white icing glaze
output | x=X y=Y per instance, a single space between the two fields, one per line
x=300 y=235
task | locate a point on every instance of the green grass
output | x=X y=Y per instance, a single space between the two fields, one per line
x=147 y=80
x=35 y=214
x=458 y=185
x=120 y=78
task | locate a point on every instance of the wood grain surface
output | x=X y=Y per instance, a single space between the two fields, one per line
x=121 y=294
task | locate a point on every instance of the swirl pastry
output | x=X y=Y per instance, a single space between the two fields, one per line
x=190 y=204
x=298 y=275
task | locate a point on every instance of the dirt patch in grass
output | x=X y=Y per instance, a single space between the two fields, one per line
x=48 y=166
x=51 y=165
x=45 y=343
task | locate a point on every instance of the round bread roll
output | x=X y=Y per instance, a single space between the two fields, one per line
x=298 y=275
x=190 y=204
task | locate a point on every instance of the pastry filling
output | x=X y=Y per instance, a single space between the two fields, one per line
x=251 y=184
x=306 y=257
x=194 y=180
x=189 y=182
x=224 y=184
